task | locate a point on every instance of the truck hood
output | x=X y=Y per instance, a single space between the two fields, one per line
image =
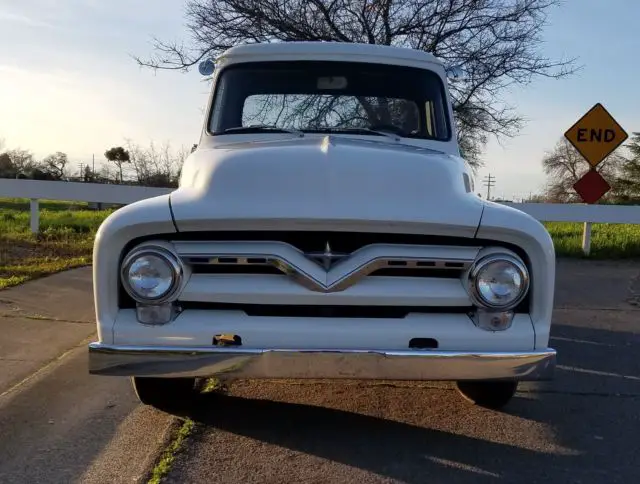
x=336 y=183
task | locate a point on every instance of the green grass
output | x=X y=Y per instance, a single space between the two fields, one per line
x=54 y=205
x=67 y=232
x=212 y=385
x=65 y=239
x=608 y=241
x=163 y=466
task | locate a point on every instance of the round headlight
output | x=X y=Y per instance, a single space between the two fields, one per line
x=151 y=275
x=499 y=282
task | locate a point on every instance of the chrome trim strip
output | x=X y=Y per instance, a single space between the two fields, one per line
x=239 y=362
x=347 y=272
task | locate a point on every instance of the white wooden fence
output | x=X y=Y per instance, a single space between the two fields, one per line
x=578 y=212
x=123 y=194
x=73 y=191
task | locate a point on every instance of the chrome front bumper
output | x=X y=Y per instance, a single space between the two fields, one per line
x=238 y=362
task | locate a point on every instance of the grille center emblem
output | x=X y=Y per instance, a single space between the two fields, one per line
x=327 y=258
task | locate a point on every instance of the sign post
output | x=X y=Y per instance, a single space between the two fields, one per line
x=595 y=135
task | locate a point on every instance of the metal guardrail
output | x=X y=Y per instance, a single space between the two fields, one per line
x=123 y=194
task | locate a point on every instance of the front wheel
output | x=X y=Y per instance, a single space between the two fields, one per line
x=489 y=394
x=164 y=393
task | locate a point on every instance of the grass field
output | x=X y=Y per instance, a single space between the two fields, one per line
x=608 y=241
x=65 y=241
x=68 y=228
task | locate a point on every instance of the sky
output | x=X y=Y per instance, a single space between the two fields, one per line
x=68 y=82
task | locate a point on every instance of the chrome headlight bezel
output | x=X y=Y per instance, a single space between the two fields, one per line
x=479 y=265
x=174 y=264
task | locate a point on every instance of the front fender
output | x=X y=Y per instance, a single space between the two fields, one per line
x=513 y=226
x=146 y=217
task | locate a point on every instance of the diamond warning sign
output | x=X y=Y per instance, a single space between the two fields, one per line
x=591 y=187
x=596 y=134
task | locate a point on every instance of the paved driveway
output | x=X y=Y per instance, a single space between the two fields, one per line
x=62 y=425
x=584 y=427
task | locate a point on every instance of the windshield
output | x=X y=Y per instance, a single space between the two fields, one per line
x=331 y=97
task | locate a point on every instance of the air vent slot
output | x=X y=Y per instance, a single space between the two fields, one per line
x=425 y=263
x=454 y=265
x=431 y=272
x=236 y=269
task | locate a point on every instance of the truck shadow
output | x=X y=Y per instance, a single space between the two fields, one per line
x=580 y=427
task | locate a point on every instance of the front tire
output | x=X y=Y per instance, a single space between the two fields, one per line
x=488 y=394
x=164 y=393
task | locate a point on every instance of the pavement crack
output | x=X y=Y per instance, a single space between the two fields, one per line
x=185 y=429
x=176 y=443
x=42 y=369
x=39 y=317
x=631 y=308
x=582 y=394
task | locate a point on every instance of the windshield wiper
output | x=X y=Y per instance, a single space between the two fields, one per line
x=261 y=128
x=363 y=131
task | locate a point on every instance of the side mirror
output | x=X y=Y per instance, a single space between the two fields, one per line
x=206 y=67
x=455 y=73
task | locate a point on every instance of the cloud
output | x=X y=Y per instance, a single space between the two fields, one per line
x=24 y=20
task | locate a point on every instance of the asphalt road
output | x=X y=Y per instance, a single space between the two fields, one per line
x=584 y=427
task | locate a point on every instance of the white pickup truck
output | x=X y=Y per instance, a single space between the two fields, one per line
x=325 y=226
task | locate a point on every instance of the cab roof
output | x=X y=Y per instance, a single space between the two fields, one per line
x=317 y=50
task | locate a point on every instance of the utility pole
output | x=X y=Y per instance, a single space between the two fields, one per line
x=489 y=182
x=81 y=170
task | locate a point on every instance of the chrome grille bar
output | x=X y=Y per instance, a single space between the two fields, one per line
x=214 y=259
x=346 y=272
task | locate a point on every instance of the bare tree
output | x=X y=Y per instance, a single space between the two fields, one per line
x=139 y=161
x=565 y=166
x=107 y=174
x=497 y=42
x=156 y=165
x=21 y=160
x=54 y=165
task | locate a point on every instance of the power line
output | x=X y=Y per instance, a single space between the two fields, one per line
x=489 y=182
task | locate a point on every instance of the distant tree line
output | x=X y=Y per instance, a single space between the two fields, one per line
x=19 y=163
x=131 y=164
x=564 y=166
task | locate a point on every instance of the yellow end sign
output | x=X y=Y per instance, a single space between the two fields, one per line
x=596 y=134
